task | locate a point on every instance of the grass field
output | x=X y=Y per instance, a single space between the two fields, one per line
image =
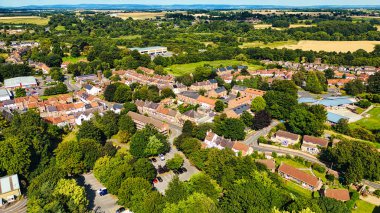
x=297 y=190
x=141 y=15
x=4 y=55
x=372 y=122
x=24 y=20
x=181 y=69
x=276 y=44
x=364 y=207
x=74 y=60
x=60 y=28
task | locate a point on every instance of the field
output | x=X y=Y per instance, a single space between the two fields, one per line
x=297 y=190
x=140 y=15
x=364 y=207
x=329 y=46
x=129 y=37
x=264 y=26
x=24 y=20
x=372 y=122
x=181 y=69
x=4 y=55
x=74 y=60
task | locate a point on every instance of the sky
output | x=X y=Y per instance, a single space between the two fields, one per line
x=13 y=3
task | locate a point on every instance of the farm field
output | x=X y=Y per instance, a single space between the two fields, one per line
x=329 y=46
x=372 y=122
x=181 y=69
x=24 y=20
x=264 y=26
x=140 y=15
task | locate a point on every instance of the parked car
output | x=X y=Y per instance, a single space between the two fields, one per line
x=120 y=210
x=159 y=179
x=180 y=171
x=184 y=169
x=153 y=160
x=176 y=172
x=155 y=180
x=162 y=157
x=102 y=192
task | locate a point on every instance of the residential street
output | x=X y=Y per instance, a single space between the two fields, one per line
x=16 y=207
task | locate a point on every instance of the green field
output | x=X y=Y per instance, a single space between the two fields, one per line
x=372 y=122
x=364 y=207
x=24 y=20
x=181 y=69
x=275 y=44
x=60 y=28
x=297 y=190
x=73 y=60
x=128 y=37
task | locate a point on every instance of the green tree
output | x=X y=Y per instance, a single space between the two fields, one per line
x=231 y=128
x=312 y=83
x=132 y=191
x=219 y=106
x=202 y=183
x=75 y=51
x=90 y=131
x=15 y=156
x=342 y=126
x=354 y=87
x=20 y=92
x=258 y=104
x=261 y=120
x=176 y=191
x=56 y=74
x=144 y=168
x=108 y=123
x=247 y=118
x=167 y=93
x=148 y=142
x=75 y=195
x=373 y=85
x=129 y=106
x=329 y=74
x=126 y=124
x=175 y=163
x=122 y=94
x=109 y=92
x=303 y=122
x=194 y=203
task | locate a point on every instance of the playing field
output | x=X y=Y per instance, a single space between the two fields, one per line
x=140 y=15
x=373 y=121
x=181 y=69
x=24 y=20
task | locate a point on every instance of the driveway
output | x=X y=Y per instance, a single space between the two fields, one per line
x=107 y=203
x=15 y=207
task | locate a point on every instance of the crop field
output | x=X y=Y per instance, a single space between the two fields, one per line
x=24 y=20
x=182 y=69
x=141 y=15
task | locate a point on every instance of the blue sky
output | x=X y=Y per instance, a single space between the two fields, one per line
x=7 y=3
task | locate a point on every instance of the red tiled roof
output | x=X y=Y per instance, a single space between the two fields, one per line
x=338 y=194
x=299 y=175
x=318 y=141
x=285 y=134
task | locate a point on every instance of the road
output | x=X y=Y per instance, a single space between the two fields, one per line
x=252 y=139
x=16 y=207
x=70 y=86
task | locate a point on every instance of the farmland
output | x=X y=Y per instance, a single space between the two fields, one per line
x=24 y=20
x=277 y=44
x=181 y=69
x=140 y=15
x=264 y=26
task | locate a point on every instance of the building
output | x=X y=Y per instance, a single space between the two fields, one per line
x=141 y=121
x=302 y=178
x=9 y=189
x=337 y=194
x=217 y=93
x=312 y=144
x=204 y=85
x=239 y=101
x=244 y=91
x=213 y=140
x=20 y=82
x=92 y=90
x=237 y=111
x=86 y=78
x=155 y=50
x=285 y=138
x=5 y=95
x=268 y=163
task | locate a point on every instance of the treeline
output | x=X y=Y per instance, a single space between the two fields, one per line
x=14 y=70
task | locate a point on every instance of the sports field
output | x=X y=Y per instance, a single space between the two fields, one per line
x=181 y=69
x=24 y=20
x=329 y=46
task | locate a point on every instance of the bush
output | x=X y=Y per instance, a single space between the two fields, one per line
x=363 y=103
x=377 y=192
x=318 y=168
x=60 y=88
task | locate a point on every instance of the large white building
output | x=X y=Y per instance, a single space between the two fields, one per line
x=20 y=82
x=151 y=50
x=5 y=95
x=9 y=189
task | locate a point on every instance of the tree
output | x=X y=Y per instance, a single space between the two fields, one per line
x=364 y=103
x=331 y=205
x=75 y=51
x=175 y=163
x=56 y=74
x=303 y=122
x=258 y=104
x=354 y=87
x=373 y=85
x=280 y=104
x=129 y=106
x=261 y=120
x=148 y=142
x=132 y=191
x=167 y=93
x=231 y=128
x=247 y=118
x=15 y=156
x=108 y=123
x=219 y=106
x=122 y=94
x=74 y=195
x=76 y=157
x=312 y=83
x=53 y=60
x=329 y=74
x=202 y=183
x=109 y=92
x=20 y=92
x=144 y=168
x=126 y=124
x=194 y=203
x=176 y=191
x=90 y=131
x=188 y=127
x=342 y=126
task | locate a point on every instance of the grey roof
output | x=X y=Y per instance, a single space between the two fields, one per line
x=220 y=89
x=4 y=92
x=88 y=87
x=191 y=114
x=117 y=106
x=87 y=106
x=334 y=118
x=15 y=82
x=8 y=102
x=240 y=88
x=9 y=183
x=86 y=77
x=240 y=109
x=52 y=108
x=230 y=68
x=226 y=143
x=152 y=105
x=242 y=67
x=213 y=81
x=222 y=69
x=190 y=94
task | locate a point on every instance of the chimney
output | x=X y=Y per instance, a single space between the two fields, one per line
x=99 y=75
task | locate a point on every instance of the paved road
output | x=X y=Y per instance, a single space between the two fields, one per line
x=252 y=139
x=17 y=207
x=70 y=86
x=371 y=184
x=107 y=203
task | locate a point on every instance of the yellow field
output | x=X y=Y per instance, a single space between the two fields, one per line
x=330 y=46
x=275 y=44
x=140 y=15
x=24 y=20
x=264 y=26
x=279 y=12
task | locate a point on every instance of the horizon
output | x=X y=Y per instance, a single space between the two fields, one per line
x=272 y=3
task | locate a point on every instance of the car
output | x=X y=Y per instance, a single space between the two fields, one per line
x=184 y=169
x=120 y=210
x=180 y=171
x=155 y=180
x=103 y=192
x=153 y=160
x=162 y=157
x=176 y=172
x=159 y=179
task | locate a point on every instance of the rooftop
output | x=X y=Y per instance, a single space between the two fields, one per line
x=146 y=48
x=18 y=81
x=299 y=175
x=284 y=134
x=338 y=194
x=318 y=141
x=9 y=183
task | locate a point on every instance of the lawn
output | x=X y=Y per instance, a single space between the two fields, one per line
x=372 y=122
x=181 y=69
x=297 y=189
x=128 y=37
x=364 y=207
x=4 y=55
x=73 y=60
x=291 y=162
x=24 y=20
x=60 y=28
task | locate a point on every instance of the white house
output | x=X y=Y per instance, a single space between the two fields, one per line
x=5 y=95
x=92 y=90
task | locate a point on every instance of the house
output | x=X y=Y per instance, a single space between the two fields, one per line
x=86 y=78
x=237 y=111
x=268 y=163
x=213 y=140
x=337 y=82
x=337 y=194
x=5 y=95
x=141 y=121
x=217 y=93
x=304 y=179
x=146 y=70
x=204 y=85
x=205 y=102
x=116 y=108
x=191 y=115
x=239 y=101
x=9 y=189
x=92 y=90
x=178 y=88
x=20 y=82
x=285 y=138
x=313 y=144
